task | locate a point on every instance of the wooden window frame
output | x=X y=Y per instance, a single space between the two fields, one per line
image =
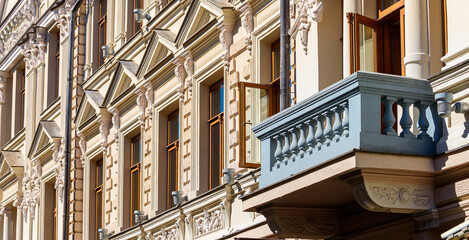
x=445 y=26
x=242 y=118
x=102 y=27
x=213 y=120
x=98 y=190
x=134 y=168
x=382 y=13
x=172 y=146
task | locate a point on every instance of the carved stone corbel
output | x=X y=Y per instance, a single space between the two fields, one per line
x=302 y=24
x=189 y=66
x=62 y=16
x=82 y=145
x=104 y=123
x=180 y=75
x=116 y=124
x=149 y=96
x=298 y=222
x=35 y=188
x=248 y=23
x=26 y=188
x=141 y=103
x=379 y=192
x=226 y=34
x=3 y=86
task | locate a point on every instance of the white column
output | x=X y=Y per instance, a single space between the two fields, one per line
x=417 y=58
x=7 y=225
x=19 y=224
x=353 y=6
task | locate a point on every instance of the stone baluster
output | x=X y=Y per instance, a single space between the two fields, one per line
x=294 y=143
x=337 y=127
x=301 y=140
x=423 y=121
x=286 y=146
x=345 y=119
x=278 y=150
x=406 y=120
x=310 y=140
x=328 y=133
x=319 y=136
x=388 y=118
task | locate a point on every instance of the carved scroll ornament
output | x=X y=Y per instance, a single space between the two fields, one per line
x=302 y=24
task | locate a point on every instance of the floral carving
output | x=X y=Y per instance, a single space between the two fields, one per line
x=59 y=156
x=167 y=235
x=3 y=86
x=35 y=188
x=302 y=24
x=208 y=222
x=189 y=66
x=34 y=49
x=62 y=16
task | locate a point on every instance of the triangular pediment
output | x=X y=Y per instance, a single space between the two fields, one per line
x=4 y=167
x=161 y=46
x=47 y=133
x=201 y=13
x=89 y=107
x=124 y=78
x=12 y=161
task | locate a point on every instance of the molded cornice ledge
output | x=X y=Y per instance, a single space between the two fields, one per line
x=397 y=193
x=300 y=222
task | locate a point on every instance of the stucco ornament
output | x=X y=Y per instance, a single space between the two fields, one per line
x=248 y=24
x=180 y=73
x=82 y=145
x=59 y=157
x=116 y=123
x=167 y=235
x=35 y=188
x=189 y=66
x=24 y=206
x=226 y=40
x=141 y=102
x=302 y=23
x=62 y=16
x=3 y=86
x=16 y=25
x=149 y=97
x=208 y=221
x=34 y=50
x=104 y=130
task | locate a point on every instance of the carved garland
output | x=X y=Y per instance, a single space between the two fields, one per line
x=302 y=24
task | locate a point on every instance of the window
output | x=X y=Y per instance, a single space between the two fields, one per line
x=98 y=192
x=102 y=29
x=378 y=45
x=54 y=202
x=275 y=81
x=135 y=161
x=50 y=210
x=57 y=65
x=22 y=93
x=134 y=4
x=216 y=134
x=173 y=156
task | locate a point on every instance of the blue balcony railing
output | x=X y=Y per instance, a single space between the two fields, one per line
x=356 y=113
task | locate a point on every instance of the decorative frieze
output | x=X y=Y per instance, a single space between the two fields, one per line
x=3 y=86
x=16 y=26
x=208 y=222
x=302 y=24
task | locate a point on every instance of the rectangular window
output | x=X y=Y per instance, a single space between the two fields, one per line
x=98 y=190
x=275 y=81
x=23 y=96
x=102 y=29
x=216 y=133
x=135 y=161
x=173 y=156
x=57 y=63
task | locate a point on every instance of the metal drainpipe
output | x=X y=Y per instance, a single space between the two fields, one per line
x=68 y=119
x=284 y=53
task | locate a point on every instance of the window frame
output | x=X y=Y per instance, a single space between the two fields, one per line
x=134 y=25
x=102 y=27
x=132 y=169
x=98 y=190
x=212 y=121
x=57 y=63
x=172 y=146
x=23 y=97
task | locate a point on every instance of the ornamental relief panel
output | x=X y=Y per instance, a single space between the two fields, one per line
x=208 y=221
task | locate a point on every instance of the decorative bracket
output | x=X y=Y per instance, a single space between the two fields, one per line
x=149 y=96
x=34 y=49
x=248 y=23
x=62 y=16
x=141 y=103
x=82 y=145
x=298 y=222
x=379 y=192
x=302 y=24
x=116 y=123
x=58 y=156
x=226 y=34
x=180 y=75
x=104 y=122
x=189 y=66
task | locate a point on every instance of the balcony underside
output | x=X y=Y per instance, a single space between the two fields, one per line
x=324 y=201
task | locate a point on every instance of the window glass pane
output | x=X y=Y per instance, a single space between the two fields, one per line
x=275 y=60
x=215 y=159
x=99 y=209
x=136 y=155
x=103 y=7
x=99 y=173
x=367 y=50
x=215 y=94
x=256 y=110
x=173 y=127
x=134 y=192
x=172 y=172
x=222 y=98
x=387 y=3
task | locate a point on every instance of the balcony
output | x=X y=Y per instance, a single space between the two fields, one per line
x=363 y=145
x=356 y=113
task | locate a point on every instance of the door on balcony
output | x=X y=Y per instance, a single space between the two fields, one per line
x=378 y=45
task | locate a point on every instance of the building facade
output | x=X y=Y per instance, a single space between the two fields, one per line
x=170 y=98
